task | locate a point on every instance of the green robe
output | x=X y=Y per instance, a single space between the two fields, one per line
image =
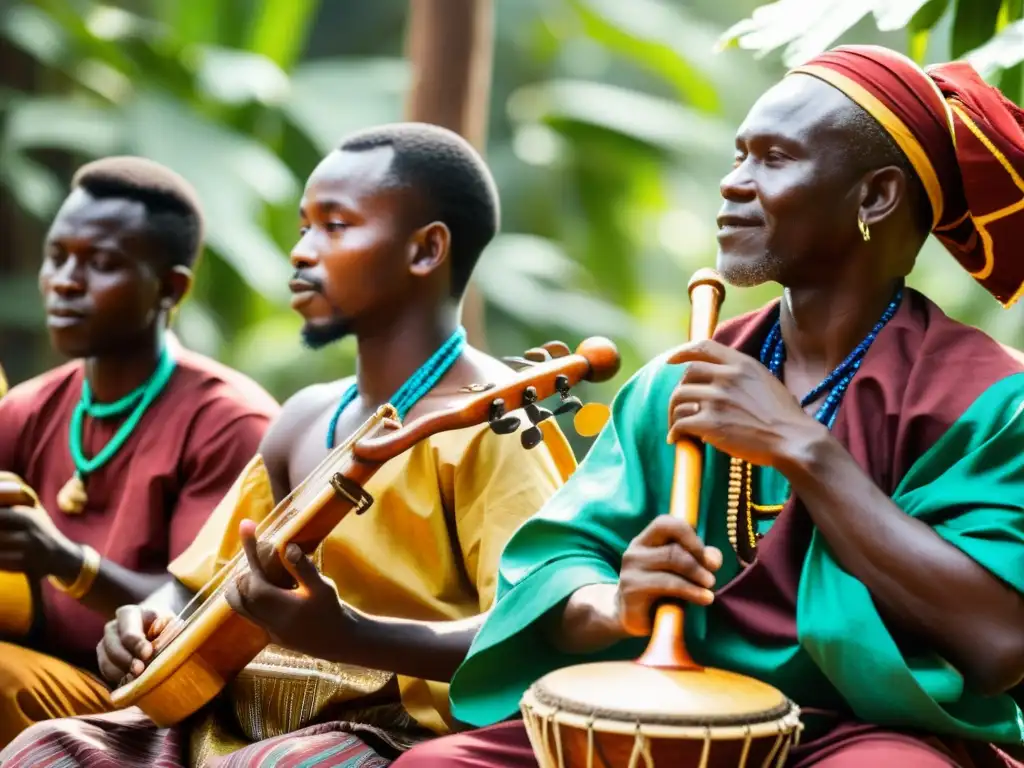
x=959 y=468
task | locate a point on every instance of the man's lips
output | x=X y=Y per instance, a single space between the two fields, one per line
x=730 y=220
x=62 y=317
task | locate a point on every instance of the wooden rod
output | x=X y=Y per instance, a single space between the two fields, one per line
x=667 y=647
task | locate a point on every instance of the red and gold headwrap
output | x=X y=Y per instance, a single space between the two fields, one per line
x=964 y=139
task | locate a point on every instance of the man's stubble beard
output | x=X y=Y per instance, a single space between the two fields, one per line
x=318 y=336
x=750 y=273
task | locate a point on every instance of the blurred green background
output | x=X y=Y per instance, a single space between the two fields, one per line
x=610 y=124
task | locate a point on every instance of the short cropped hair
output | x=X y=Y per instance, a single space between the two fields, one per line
x=173 y=211
x=452 y=179
x=875 y=148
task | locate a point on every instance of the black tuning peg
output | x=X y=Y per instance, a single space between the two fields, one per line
x=500 y=423
x=569 y=405
x=505 y=426
x=532 y=437
x=536 y=413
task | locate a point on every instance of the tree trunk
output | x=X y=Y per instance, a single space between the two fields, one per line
x=450 y=44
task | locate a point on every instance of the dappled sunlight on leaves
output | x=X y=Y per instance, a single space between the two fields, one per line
x=611 y=125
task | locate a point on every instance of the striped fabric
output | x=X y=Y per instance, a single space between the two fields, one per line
x=127 y=739
x=315 y=747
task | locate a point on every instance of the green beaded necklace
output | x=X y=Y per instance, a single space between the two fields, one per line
x=72 y=497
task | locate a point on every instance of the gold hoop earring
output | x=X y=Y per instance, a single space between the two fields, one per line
x=863 y=227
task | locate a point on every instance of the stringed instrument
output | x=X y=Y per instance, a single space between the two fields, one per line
x=664 y=708
x=15 y=588
x=208 y=644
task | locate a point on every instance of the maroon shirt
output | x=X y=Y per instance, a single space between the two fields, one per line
x=150 y=500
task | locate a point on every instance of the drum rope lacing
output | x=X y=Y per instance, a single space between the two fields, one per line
x=545 y=729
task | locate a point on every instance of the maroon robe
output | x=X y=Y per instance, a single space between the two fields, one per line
x=150 y=500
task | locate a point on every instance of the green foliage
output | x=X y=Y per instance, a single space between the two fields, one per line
x=982 y=31
x=611 y=125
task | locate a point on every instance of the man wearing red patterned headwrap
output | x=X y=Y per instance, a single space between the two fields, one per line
x=860 y=545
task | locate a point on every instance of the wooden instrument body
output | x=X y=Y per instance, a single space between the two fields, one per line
x=199 y=655
x=183 y=682
x=192 y=667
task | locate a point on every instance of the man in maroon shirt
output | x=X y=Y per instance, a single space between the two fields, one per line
x=129 y=447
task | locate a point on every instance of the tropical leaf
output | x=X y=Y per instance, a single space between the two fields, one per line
x=533 y=279
x=927 y=16
x=897 y=14
x=234 y=77
x=660 y=124
x=193 y=22
x=331 y=97
x=69 y=124
x=805 y=27
x=279 y=29
x=35 y=188
x=658 y=36
x=35 y=32
x=1003 y=51
x=974 y=22
x=809 y=27
x=233 y=175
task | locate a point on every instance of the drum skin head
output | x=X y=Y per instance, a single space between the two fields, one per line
x=626 y=689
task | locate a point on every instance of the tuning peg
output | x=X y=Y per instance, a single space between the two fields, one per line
x=557 y=348
x=500 y=423
x=562 y=385
x=569 y=405
x=529 y=395
x=505 y=426
x=537 y=355
x=537 y=413
x=518 y=363
x=532 y=437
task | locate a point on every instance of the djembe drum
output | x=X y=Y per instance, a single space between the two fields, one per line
x=663 y=709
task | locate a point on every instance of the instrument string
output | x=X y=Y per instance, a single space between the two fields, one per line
x=339 y=459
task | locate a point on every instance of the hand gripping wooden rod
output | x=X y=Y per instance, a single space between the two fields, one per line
x=667 y=648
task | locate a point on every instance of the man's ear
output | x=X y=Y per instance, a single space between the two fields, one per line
x=881 y=194
x=429 y=248
x=176 y=285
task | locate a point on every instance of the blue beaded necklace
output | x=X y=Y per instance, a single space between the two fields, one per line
x=415 y=387
x=773 y=355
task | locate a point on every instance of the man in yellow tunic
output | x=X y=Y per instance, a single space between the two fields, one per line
x=392 y=225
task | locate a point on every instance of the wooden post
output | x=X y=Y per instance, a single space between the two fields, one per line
x=450 y=44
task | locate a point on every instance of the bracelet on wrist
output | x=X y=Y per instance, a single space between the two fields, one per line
x=86 y=576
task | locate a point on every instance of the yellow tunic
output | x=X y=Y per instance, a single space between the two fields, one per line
x=427 y=549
